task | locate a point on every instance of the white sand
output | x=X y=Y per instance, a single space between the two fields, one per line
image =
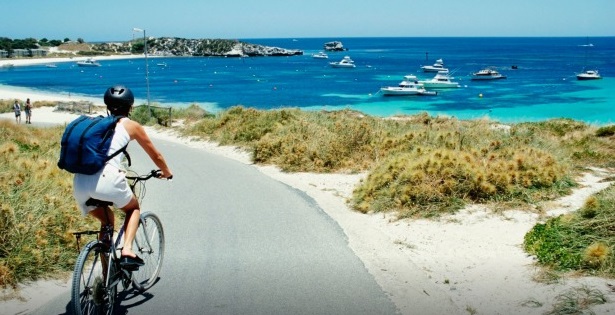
x=17 y=62
x=468 y=263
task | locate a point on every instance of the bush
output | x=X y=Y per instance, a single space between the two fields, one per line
x=607 y=131
x=427 y=181
x=584 y=240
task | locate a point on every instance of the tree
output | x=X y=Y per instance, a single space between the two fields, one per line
x=138 y=47
x=66 y=40
x=80 y=40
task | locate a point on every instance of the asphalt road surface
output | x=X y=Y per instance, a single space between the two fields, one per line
x=239 y=242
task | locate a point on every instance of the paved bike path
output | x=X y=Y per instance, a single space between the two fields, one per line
x=239 y=242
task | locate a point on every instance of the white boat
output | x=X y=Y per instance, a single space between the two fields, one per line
x=487 y=74
x=320 y=55
x=346 y=62
x=90 y=62
x=442 y=80
x=409 y=86
x=51 y=65
x=436 y=67
x=161 y=64
x=589 y=75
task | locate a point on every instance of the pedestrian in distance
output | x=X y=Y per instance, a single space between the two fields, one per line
x=28 y=110
x=17 y=109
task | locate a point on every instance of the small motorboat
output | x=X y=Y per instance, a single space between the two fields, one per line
x=589 y=75
x=320 y=55
x=346 y=62
x=442 y=80
x=90 y=62
x=487 y=74
x=409 y=86
x=436 y=67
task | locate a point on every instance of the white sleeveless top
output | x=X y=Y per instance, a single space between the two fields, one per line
x=120 y=139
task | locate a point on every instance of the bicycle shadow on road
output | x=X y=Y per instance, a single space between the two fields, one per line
x=124 y=301
x=130 y=299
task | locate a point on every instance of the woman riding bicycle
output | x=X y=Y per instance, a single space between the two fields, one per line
x=110 y=184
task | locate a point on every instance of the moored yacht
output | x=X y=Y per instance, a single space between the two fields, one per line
x=409 y=86
x=320 y=55
x=90 y=62
x=487 y=74
x=436 y=67
x=589 y=75
x=442 y=80
x=346 y=62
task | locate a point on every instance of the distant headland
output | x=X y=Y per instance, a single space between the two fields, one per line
x=162 y=46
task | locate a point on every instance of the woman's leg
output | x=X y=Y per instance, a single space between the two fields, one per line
x=106 y=217
x=131 y=223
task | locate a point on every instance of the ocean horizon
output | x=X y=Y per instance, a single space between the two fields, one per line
x=541 y=85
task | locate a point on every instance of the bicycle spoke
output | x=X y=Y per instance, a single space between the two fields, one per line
x=149 y=243
x=88 y=289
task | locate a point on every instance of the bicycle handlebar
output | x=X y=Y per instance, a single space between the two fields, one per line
x=153 y=173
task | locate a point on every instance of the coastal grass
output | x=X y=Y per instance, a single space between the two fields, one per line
x=418 y=166
x=578 y=300
x=156 y=115
x=37 y=211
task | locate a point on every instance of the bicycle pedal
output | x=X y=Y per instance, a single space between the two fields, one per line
x=130 y=267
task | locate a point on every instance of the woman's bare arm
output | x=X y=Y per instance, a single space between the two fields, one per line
x=137 y=132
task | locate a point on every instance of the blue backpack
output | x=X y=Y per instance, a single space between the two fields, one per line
x=85 y=144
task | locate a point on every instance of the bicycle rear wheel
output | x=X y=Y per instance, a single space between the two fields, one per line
x=149 y=245
x=88 y=293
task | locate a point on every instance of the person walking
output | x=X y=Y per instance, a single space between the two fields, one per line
x=28 y=109
x=17 y=109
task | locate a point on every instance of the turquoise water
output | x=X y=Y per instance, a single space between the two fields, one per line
x=543 y=86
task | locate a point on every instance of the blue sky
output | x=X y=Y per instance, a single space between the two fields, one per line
x=242 y=19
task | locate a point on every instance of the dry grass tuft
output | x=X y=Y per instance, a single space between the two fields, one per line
x=36 y=217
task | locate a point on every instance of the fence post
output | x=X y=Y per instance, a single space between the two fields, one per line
x=170 y=117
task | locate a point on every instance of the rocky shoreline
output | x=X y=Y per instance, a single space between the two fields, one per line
x=173 y=46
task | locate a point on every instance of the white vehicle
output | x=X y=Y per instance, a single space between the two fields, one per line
x=346 y=62
x=409 y=86
x=442 y=80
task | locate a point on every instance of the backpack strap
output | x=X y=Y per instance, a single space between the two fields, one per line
x=123 y=149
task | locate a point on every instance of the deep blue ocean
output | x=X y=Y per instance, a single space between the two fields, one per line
x=543 y=86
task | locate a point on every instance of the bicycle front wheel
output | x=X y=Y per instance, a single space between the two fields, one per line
x=149 y=245
x=88 y=293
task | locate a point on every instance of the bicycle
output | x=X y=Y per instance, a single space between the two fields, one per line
x=98 y=271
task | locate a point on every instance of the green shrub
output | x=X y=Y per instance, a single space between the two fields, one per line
x=607 y=131
x=584 y=240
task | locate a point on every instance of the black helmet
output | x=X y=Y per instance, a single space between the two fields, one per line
x=119 y=98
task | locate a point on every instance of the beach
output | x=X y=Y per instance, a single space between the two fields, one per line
x=471 y=262
x=16 y=62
